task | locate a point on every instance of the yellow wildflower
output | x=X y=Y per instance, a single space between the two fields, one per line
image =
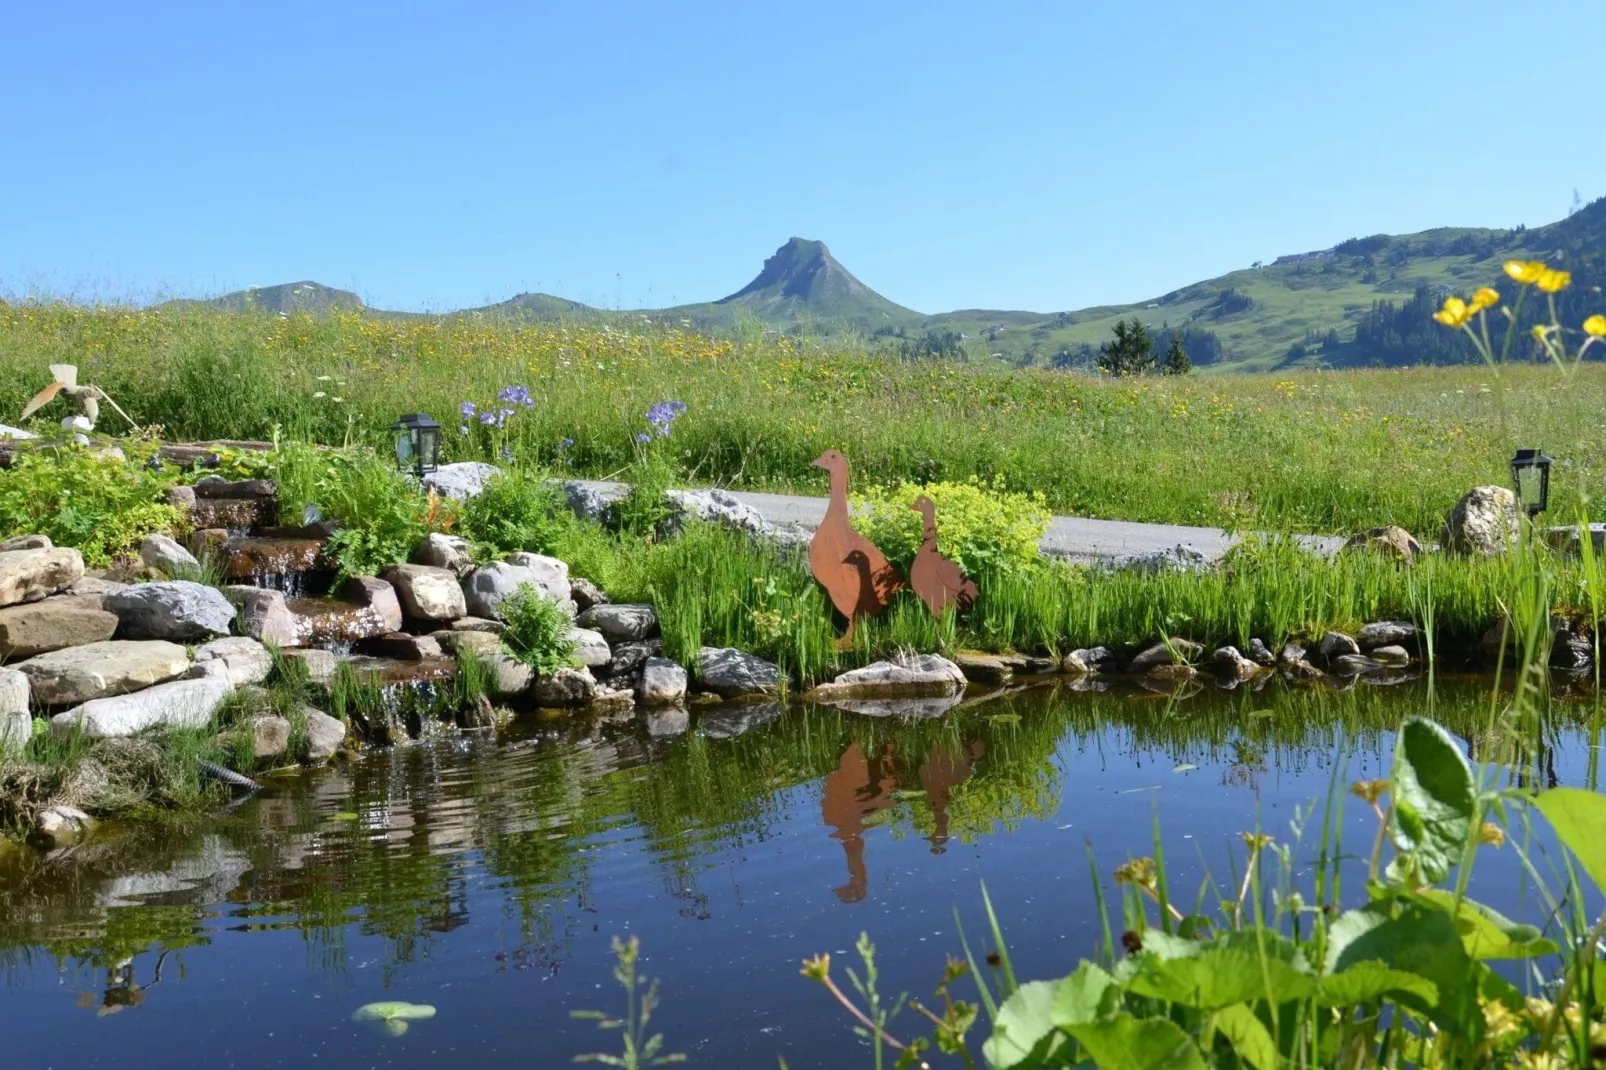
x=1552 y=280
x=1526 y=272
x=1485 y=298
x=1595 y=326
x=1455 y=312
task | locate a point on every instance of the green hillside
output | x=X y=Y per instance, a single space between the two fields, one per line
x=286 y=297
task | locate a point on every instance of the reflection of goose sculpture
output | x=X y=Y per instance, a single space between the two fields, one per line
x=938 y=581
x=849 y=566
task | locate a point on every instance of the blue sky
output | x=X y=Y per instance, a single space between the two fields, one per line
x=1009 y=155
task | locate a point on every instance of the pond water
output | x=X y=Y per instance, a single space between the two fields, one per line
x=486 y=876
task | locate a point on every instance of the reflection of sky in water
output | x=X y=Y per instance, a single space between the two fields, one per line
x=487 y=879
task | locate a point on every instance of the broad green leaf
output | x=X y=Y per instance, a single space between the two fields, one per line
x=1434 y=801
x=1264 y=941
x=1486 y=933
x=1248 y=1035
x=1218 y=978
x=1126 y=1043
x=1579 y=818
x=1024 y=1034
x=1420 y=940
x=392 y=1010
x=1165 y=945
x=1085 y=996
x=1372 y=982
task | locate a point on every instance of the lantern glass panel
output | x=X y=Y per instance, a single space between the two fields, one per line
x=428 y=448
x=1530 y=487
x=404 y=447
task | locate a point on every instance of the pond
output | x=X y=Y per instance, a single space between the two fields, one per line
x=486 y=876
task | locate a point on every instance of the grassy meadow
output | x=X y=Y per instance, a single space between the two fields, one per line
x=1321 y=452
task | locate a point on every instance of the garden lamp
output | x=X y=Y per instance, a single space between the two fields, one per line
x=1530 y=476
x=418 y=443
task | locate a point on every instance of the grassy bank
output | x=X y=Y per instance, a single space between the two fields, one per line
x=1315 y=452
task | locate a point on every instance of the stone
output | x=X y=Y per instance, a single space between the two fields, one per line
x=1392 y=655
x=166 y=556
x=173 y=609
x=715 y=507
x=1176 y=670
x=1354 y=664
x=585 y=502
x=667 y=723
x=181 y=497
x=1569 y=650
x=730 y=673
x=920 y=675
x=621 y=623
x=7 y=431
x=95 y=585
x=1336 y=645
x=25 y=542
x=478 y=624
x=984 y=668
x=1391 y=540
x=53 y=624
x=81 y=673
x=427 y=593
x=662 y=682
x=1483 y=523
x=14 y=692
x=480 y=713
x=1300 y=670
x=585 y=594
x=16 y=729
x=565 y=689
x=1260 y=653
x=270 y=736
x=31 y=574
x=1291 y=654
x=1177 y=651
x=1229 y=661
x=371 y=592
x=1178 y=558
x=325 y=734
x=1385 y=633
x=466 y=644
x=444 y=551
x=1090 y=661
x=179 y=704
x=61 y=824
x=590 y=648
x=628 y=658
x=243 y=488
x=487 y=587
x=551 y=574
x=613 y=701
x=460 y=481
x=401 y=646
x=508 y=675
x=321 y=665
x=264 y=615
x=241 y=660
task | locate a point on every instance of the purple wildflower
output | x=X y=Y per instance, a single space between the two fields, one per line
x=502 y=415
x=467 y=409
x=566 y=443
x=462 y=429
x=663 y=414
x=487 y=418
x=516 y=395
x=643 y=437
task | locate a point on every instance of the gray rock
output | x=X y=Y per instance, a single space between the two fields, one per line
x=239 y=659
x=321 y=664
x=460 y=481
x=1176 y=559
x=1483 y=523
x=61 y=824
x=1354 y=664
x=1394 y=541
x=586 y=502
x=466 y=644
x=444 y=551
x=715 y=507
x=1090 y=661
x=1291 y=654
x=325 y=735
x=427 y=593
x=401 y=646
x=1569 y=650
x=586 y=594
x=730 y=673
x=478 y=624
x=1175 y=652
x=95 y=585
x=487 y=587
x=167 y=556
x=1385 y=633
x=1392 y=655
x=628 y=658
x=53 y=624
x=14 y=690
x=1229 y=661
x=1336 y=645
x=984 y=668
x=173 y=609
x=16 y=729
x=270 y=736
x=25 y=542
x=621 y=623
x=264 y=615
x=1260 y=653
x=1300 y=670
x=31 y=574
x=509 y=676
x=663 y=682
x=181 y=497
x=551 y=574
x=242 y=488
x=564 y=689
x=920 y=675
x=669 y=722
x=373 y=593
x=81 y=673
x=590 y=648
x=180 y=704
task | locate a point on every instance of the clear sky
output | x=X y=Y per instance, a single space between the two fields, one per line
x=997 y=155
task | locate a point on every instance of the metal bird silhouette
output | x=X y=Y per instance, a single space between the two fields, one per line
x=854 y=572
x=937 y=580
x=86 y=395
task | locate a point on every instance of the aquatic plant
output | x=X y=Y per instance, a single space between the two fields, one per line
x=639 y=1049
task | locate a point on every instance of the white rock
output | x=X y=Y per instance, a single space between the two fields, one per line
x=590 y=648
x=166 y=555
x=427 y=593
x=325 y=734
x=174 y=609
x=444 y=551
x=551 y=575
x=29 y=575
x=487 y=587
x=729 y=672
x=7 y=431
x=565 y=688
x=663 y=682
x=81 y=673
x=924 y=673
x=1483 y=523
x=240 y=659
x=13 y=691
x=16 y=729
x=462 y=480
x=180 y=704
x=62 y=824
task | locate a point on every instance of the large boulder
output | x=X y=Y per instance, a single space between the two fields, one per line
x=444 y=551
x=924 y=674
x=237 y=659
x=565 y=688
x=508 y=675
x=730 y=673
x=25 y=542
x=663 y=682
x=1483 y=523
x=264 y=615
x=174 y=609
x=28 y=575
x=427 y=593
x=716 y=507
x=551 y=574
x=487 y=587
x=180 y=704
x=1390 y=540
x=52 y=624
x=590 y=648
x=373 y=593
x=165 y=555
x=460 y=481
x=621 y=623
x=82 y=673
x=462 y=643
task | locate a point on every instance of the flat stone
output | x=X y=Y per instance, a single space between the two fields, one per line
x=1386 y=633
x=427 y=593
x=565 y=689
x=662 y=682
x=1392 y=655
x=1229 y=661
x=81 y=673
x=61 y=824
x=983 y=668
x=180 y=704
x=172 y=609
x=166 y=556
x=264 y=615
x=923 y=674
x=1335 y=645
x=478 y=624
x=590 y=648
x=1179 y=651
x=239 y=659
x=53 y=624
x=669 y=722
x=444 y=551
x=487 y=587
x=730 y=673
x=586 y=594
x=460 y=481
x=25 y=542
x=31 y=574
x=466 y=644
x=14 y=692
x=270 y=737
x=321 y=664
x=242 y=488
x=621 y=623
x=1354 y=664
x=96 y=586
x=508 y=675
x=401 y=646
x=371 y=592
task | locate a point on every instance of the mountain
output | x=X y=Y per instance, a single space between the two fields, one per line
x=804 y=279
x=285 y=297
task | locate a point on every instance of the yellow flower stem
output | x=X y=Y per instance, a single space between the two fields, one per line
x=1516 y=317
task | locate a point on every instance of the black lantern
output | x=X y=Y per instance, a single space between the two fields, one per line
x=1530 y=477
x=418 y=443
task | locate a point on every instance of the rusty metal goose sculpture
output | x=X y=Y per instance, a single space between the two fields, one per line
x=851 y=568
x=938 y=581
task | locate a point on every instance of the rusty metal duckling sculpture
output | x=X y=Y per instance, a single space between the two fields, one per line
x=938 y=581
x=852 y=569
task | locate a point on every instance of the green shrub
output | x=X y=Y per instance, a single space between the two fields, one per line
x=644 y=509
x=101 y=505
x=382 y=515
x=981 y=526
x=515 y=511
x=537 y=631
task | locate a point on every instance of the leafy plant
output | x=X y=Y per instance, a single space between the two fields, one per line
x=640 y=1050
x=79 y=497
x=382 y=515
x=515 y=511
x=981 y=526
x=539 y=632
x=644 y=509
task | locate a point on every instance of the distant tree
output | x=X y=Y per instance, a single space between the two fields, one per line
x=1232 y=300
x=1176 y=358
x=1202 y=346
x=1130 y=352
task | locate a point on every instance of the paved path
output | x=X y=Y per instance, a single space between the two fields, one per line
x=1072 y=537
